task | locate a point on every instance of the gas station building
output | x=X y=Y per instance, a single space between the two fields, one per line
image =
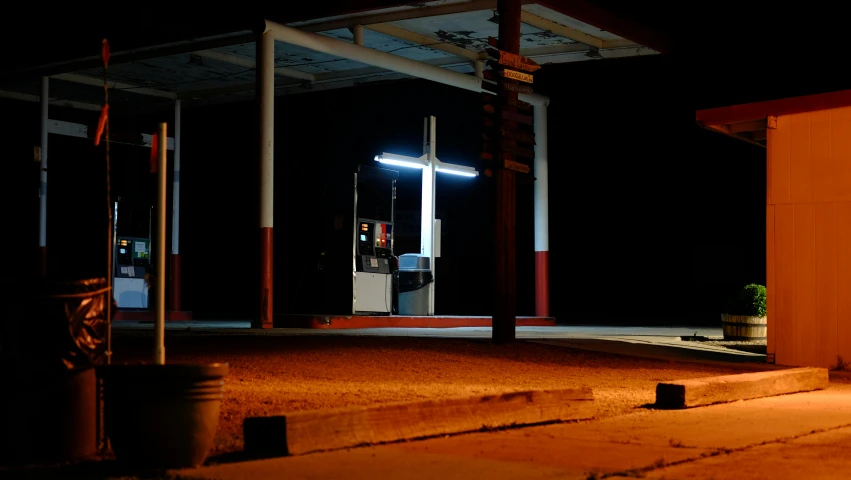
x=442 y=41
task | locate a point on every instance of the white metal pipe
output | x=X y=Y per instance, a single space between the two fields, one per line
x=175 y=184
x=479 y=65
x=159 y=272
x=42 y=212
x=266 y=90
x=541 y=187
x=357 y=31
x=432 y=161
x=376 y=58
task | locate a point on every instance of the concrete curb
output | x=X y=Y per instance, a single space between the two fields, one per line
x=729 y=388
x=330 y=429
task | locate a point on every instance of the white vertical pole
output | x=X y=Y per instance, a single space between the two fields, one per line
x=175 y=184
x=432 y=164
x=427 y=217
x=42 y=212
x=266 y=96
x=542 y=226
x=425 y=194
x=480 y=67
x=267 y=128
x=159 y=284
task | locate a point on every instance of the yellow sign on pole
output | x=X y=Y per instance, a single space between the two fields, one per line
x=515 y=75
x=517 y=167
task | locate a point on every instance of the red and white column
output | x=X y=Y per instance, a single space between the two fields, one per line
x=174 y=260
x=266 y=99
x=542 y=225
x=42 y=189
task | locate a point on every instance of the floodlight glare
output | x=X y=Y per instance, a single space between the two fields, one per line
x=401 y=160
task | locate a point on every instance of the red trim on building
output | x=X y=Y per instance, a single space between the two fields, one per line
x=783 y=106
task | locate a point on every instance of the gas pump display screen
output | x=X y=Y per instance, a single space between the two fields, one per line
x=362 y=237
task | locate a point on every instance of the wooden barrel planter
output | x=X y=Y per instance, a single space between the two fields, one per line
x=744 y=327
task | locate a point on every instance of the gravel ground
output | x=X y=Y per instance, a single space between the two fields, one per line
x=272 y=375
x=754 y=346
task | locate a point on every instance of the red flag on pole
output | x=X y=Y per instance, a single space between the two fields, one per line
x=154 y=152
x=104 y=114
x=104 y=52
x=104 y=110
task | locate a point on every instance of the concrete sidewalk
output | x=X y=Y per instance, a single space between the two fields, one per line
x=796 y=436
x=244 y=326
x=651 y=342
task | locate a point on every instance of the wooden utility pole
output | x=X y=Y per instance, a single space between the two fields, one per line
x=505 y=285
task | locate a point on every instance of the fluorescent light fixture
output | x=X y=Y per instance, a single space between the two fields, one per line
x=457 y=170
x=401 y=160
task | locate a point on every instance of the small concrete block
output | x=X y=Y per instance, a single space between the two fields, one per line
x=729 y=388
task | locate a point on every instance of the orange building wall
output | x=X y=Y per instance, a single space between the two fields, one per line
x=808 y=222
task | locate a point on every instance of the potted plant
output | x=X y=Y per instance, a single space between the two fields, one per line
x=745 y=314
x=158 y=415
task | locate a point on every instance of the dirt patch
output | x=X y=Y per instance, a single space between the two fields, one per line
x=272 y=375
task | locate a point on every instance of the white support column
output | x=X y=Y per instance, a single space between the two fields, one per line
x=175 y=185
x=428 y=211
x=175 y=284
x=357 y=31
x=542 y=226
x=480 y=67
x=42 y=191
x=266 y=94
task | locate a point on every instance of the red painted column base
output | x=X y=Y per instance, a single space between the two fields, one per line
x=174 y=284
x=264 y=320
x=542 y=284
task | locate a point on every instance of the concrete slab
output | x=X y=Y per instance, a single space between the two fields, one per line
x=727 y=441
x=730 y=425
x=839 y=436
x=777 y=461
x=679 y=351
x=649 y=342
x=743 y=386
x=399 y=321
x=372 y=464
x=579 y=457
x=559 y=331
x=329 y=429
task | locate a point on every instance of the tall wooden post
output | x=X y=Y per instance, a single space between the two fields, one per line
x=505 y=261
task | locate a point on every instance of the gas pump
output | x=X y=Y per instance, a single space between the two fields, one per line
x=374 y=273
x=132 y=262
x=356 y=267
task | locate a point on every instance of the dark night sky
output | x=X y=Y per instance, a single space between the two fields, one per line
x=652 y=218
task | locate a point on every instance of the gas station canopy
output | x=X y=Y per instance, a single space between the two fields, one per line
x=449 y=34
